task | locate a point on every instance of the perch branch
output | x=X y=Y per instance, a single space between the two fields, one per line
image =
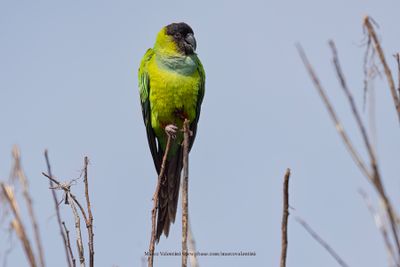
x=185 y=187
x=150 y=258
x=285 y=216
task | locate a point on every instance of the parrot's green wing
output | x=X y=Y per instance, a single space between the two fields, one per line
x=144 y=90
x=200 y=96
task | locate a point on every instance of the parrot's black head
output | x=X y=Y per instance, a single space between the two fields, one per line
x=183 y=36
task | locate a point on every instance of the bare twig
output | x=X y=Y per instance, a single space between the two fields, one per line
x=185 y=185
x=17 y=224
x=150 y=258
x=71 y=254
x=346 y=140
x=89 y=221
x=57 y=208
x=18 y=172
x=69 y=195
x=397 y=56
x=325 y=245
x=353 y=106
x=376 y=177
x=388 y=73
x=381 y=227
x=78 y=233
x=72 y=200
x=285 y=216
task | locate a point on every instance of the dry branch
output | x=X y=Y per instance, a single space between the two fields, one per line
x=285 y=215
x=371 y=33
x=19 y=173
x=185 y=185
x=375 y=176
x=150 y=258
x=69 y=256
x=397 y=56
x=381 y=227
x=72 y=201
x=346 y=140
x=78 y=233
x=17 y=224
x=352 y=103
x=324 y=244
x=89 y=221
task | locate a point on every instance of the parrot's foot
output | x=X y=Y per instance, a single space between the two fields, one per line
x=171 y=130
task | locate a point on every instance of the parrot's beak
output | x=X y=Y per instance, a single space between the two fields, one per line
x=190 y=43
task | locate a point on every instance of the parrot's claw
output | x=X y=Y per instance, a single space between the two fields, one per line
x=171 y=130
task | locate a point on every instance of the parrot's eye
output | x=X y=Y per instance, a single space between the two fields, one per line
x=177 y=35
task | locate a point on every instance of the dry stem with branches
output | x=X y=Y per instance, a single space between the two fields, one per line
x=372 y=172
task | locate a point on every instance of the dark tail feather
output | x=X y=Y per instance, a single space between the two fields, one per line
x=169 y=194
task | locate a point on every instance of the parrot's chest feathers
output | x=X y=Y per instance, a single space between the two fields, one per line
x=174 y=83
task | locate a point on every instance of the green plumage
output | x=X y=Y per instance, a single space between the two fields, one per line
x=171 y=86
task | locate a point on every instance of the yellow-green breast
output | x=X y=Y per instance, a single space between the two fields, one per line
x=174 y=84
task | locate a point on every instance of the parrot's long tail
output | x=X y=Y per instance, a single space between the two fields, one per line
x=169 y=194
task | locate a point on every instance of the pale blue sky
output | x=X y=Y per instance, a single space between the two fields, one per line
x=68 y=83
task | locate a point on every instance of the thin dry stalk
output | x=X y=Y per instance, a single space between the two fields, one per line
x=388 y=73
x=150 y=258
x=89 y=221
x=69 y=196
x=71 y=254
x=285 y=216
x=376 y=177
x=79 y=243
x=70 y=259
x=397 y=56
x=192 y=248
x=17 y=224
x=324 y=244
x=346 y=140
x=352 y=103
x=18 y=172
x=381 y=227
x=72 y=200
x=185 y=186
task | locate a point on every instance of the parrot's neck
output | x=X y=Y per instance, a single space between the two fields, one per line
x=184 y=65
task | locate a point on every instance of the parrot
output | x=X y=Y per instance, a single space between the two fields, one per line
x=171 y=81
